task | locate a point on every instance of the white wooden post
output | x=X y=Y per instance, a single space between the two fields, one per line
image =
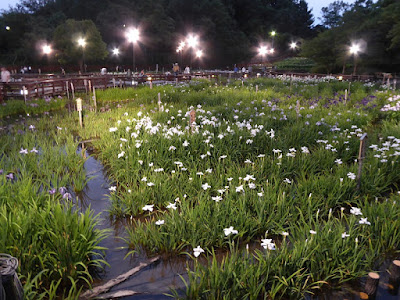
x=94 y=99
x=79 y=109
x=361 y=156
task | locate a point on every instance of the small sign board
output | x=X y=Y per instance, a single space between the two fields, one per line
x=79 y=104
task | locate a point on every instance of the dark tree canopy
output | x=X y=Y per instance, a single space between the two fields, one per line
x=374 y=25
x=228 y=28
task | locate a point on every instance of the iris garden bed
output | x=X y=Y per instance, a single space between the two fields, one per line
x=274 y=168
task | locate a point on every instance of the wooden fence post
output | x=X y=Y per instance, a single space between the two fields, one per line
x=94 y=99
x=159 y=101
x=72 y=90
x=192 y=120
x=79 y=109
x=361 y=156
x=67 y=88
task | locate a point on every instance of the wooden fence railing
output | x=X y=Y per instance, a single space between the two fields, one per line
x=28 y=87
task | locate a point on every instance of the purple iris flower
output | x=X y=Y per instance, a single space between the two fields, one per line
x=62 y=190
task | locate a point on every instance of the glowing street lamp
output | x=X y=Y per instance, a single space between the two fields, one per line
x=271 y=51
x=46 y=49
x=8 y=28
x=133 y=36
x=199 y=53
x=354 y=50
x=192 y=41
x=262 y=50
x=293 y=45
x=115 y=51
x=82 y=43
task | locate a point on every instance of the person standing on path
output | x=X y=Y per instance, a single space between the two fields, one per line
x=5 y=79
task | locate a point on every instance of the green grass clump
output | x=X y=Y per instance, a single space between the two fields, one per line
x=57 y=245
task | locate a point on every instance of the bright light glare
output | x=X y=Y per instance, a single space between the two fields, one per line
x=182 y=44
x=133 y=35
x=273 y=33
x=293 y=45
x=115 y=51
x=262 y=50
x=272 y=50
x=354 y=49
x=8 y=28
x=192 y=41
x=199 y=53
x=82 y=42
x=46 y=49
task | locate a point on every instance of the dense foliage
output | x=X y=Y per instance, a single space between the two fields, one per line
x=228 y=29
x=375 y=26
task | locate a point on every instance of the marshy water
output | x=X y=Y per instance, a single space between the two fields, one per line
x=152 y=282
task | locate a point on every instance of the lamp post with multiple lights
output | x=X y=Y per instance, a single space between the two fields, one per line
x=192 y=42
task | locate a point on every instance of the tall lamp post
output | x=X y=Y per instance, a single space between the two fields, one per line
x=273 y=34
x=46 y=49
x=199 y=54
x=192 y=42
x=82 y=43
x=179 y=50
x=262 y=50
x=133 y=35
x=354 y=49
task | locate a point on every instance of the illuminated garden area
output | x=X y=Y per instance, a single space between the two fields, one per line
x=227 y=160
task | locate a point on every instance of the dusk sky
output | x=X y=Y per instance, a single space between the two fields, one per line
x=316 y=6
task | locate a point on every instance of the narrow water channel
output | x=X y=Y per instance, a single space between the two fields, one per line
x=152 y=282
